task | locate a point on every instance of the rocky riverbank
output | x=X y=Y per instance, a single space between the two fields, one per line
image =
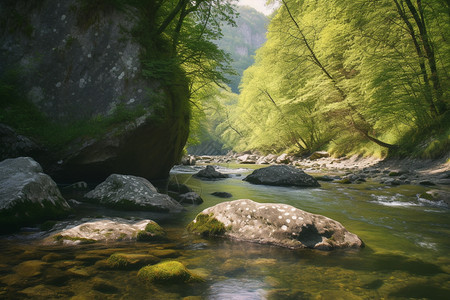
x=404 y=171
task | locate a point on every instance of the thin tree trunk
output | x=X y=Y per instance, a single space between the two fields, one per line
x=423 y=69
x=420 y=22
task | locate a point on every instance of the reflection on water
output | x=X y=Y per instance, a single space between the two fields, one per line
x=237 y=289
x=406 y=254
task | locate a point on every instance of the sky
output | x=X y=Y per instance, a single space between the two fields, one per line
x=259 y=5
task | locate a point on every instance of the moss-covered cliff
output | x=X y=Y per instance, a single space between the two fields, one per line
x=78 y=78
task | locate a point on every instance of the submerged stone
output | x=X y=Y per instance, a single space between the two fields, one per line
x=276 y=224
x=168 y=271
x=282 y=176
x=131 y=261
x=131 y=193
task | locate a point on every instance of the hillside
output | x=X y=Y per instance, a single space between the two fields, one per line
x=243 y=40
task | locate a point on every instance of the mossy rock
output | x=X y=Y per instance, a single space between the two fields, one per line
x=152 y=232
x=131 y=261
x=168 y=271
x=206 y=225
x=76 y=240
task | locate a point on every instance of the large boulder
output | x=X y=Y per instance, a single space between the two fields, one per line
x=77 y=66
x=282 y=176
x=105 y=230
x=210 y=173
x=27 y=195
x=276 y=224
x=131 y=193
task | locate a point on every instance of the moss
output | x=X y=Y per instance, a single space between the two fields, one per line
x=21 y=114
x=130 y=261
x=206 y=225
x=61 y=238
x=152 y=232
x=168 y=271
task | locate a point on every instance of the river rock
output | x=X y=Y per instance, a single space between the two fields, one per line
x=105 y=230
x=222 y=194
x=247 y=159
x=276 y=224
x=436 y=196
x=282 y=176
x=168 y=272
x=188 y=160
x=319 y=154
x=190 y=198
x=210 y=173
x=283 y=159
x=27 y=195
x=131 y=193
x=268 y=159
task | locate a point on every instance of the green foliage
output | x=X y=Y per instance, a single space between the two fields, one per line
x=21 y=114
x=348 y=76
x=206 y=225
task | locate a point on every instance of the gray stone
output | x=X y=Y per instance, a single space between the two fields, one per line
x=276 y=224
x=283 y=159
x=131 y=193
x=190 y=198
x=27 y=195
x=222 y=194
x=105 y=230
x=282 y=176
x=437 y=196
x=319 y=154
x=247 y=159
x=210 y=173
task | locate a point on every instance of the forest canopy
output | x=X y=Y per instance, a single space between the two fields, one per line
x=348 y=76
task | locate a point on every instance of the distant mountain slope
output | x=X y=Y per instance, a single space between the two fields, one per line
x=242 y=41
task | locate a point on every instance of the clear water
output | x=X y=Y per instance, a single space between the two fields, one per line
x=406 y=255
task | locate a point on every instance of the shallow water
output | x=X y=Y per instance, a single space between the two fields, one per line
x=406 y=255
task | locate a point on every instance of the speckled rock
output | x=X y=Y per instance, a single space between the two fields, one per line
x=131 y=193
x=27 y=195
x=105 y=230
x=282 y=176
x=276 y=224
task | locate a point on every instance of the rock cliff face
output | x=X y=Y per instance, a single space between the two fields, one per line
x=77 y=65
